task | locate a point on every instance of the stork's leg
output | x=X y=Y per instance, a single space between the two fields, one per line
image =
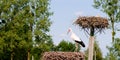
x=76 y=45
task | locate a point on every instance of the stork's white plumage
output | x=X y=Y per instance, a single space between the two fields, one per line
x=74 y=37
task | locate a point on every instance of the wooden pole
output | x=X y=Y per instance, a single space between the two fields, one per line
x=12 y=56
x=91 y=48
x=76 y=49
x=95 y=54
x=28 y=57
x=91 y=44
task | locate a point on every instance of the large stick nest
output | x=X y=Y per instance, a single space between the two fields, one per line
x=98 y=23
x=63 y=56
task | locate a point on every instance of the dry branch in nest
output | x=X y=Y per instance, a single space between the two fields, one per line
x=98 y=23
x=63 y=56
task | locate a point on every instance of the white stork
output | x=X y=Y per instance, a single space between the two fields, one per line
x=74 y=37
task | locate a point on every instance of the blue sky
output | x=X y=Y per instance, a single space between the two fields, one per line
x=67 y=11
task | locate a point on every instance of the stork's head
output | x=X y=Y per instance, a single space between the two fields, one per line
x=69 y=30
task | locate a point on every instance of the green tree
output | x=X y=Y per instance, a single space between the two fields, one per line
x=42 y=41
x=26 y=27
x=97 y=52
x=114 y=51
x=65 y=46
x=13 y=32
x=112 y=9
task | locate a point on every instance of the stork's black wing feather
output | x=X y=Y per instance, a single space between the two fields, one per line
x=81 y=43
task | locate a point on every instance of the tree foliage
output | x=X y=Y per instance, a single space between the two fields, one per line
x=65 y=46
x=25 y=29
x=112 y=9
x=114 y=51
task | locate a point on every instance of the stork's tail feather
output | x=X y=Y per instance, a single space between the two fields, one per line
x=81 y=43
